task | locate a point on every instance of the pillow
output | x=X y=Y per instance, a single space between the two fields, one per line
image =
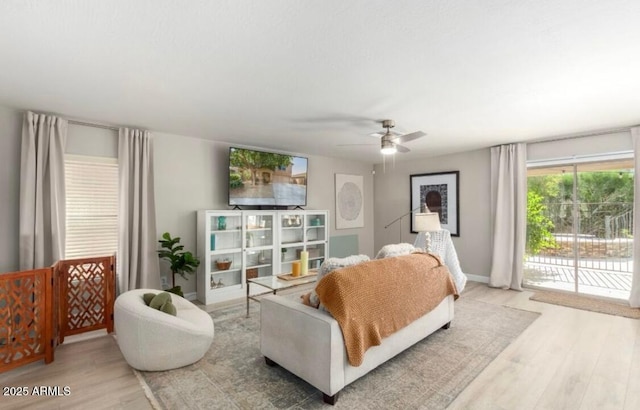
x=397 y=249
x=169 y=307
x=328 y=266
x=331 y=264
x=161 y=301
x=147 y=297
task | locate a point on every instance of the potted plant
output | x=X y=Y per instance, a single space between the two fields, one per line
x=181 y=262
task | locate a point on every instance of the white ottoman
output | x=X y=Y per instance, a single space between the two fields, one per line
x=152 y=340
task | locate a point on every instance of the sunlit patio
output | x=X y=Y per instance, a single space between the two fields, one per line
x=559 y=274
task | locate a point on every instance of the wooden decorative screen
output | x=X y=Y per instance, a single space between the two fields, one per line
x=26 y=318
x=87 y=294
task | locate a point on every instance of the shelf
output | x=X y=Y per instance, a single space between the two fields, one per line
x=268 y=232
x=224 y=251
x=219 y=231
x=226 y=288
x=259 y=266
x=259 y=248
x=221 y=271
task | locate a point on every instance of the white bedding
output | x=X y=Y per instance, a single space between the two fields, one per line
x=442 y=245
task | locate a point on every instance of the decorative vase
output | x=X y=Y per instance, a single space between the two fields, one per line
x=222 y=223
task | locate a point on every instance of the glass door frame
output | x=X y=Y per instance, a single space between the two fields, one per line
x=575 y=163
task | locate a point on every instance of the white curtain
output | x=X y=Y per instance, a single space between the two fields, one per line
x=42 y=193
x=137 y=260
x=509 y=214
x=634 y=299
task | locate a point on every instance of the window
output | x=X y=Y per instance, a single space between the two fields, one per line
x=580 y=225
x=92 y=206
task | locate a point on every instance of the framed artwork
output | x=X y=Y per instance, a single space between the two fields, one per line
x=349 y=201
x=440 y=192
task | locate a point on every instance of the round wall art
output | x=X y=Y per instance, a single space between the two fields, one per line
x=349 y=201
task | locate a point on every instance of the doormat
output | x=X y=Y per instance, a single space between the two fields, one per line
x=586 y=303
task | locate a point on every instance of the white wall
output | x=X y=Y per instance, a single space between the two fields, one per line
x=10 y=136
x=392 y=199
x=191 y=174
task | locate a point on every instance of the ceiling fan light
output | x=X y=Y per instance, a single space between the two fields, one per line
x=388 y=148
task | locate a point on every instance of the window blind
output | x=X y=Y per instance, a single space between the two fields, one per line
x=92 y=206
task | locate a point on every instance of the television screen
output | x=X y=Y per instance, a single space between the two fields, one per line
x=266 y=178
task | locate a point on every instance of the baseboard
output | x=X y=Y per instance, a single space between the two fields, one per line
x=477 y=278
x=190 y=296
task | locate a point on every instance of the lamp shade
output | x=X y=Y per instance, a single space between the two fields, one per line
x=427 y=222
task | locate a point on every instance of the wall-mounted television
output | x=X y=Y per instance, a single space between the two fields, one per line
x=258 y=178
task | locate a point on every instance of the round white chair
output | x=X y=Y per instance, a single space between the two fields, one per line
x=152 y=340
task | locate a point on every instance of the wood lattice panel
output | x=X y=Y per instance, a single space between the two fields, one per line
x=87 y=295
x=25 y=318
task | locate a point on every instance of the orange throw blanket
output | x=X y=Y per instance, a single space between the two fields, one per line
x=374 y=299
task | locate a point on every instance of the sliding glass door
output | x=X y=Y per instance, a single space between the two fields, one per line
x=579 y=227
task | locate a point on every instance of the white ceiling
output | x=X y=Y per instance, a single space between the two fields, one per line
x=305 y=76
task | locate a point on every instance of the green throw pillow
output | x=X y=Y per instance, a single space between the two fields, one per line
x=147 y=297
x=168 y=307
x=160 y=300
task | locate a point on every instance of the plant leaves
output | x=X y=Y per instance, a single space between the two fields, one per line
x=180 y=262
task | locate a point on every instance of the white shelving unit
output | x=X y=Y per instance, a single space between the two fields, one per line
x=303 y=230
x=253 y=243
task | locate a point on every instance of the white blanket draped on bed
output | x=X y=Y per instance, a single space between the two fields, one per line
x=442 y=245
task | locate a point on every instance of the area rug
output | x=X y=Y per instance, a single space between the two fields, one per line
x=586 y=303
x=429 y=375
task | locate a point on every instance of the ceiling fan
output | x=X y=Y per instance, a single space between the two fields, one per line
x=390 y=140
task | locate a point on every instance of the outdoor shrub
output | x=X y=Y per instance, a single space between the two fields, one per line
x=235 y=181
x=539 y=227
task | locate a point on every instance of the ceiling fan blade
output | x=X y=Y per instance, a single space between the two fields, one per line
x=402 y=148
x=348 y=145
x=335 y=118
x=410 y=137
x=383 y=133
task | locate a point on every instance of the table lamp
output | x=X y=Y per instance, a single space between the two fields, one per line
x=427 y=222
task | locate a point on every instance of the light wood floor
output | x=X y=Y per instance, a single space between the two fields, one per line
x=95 y=371
x=567 y=359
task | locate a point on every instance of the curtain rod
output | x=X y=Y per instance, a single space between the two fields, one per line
x=94 y=125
